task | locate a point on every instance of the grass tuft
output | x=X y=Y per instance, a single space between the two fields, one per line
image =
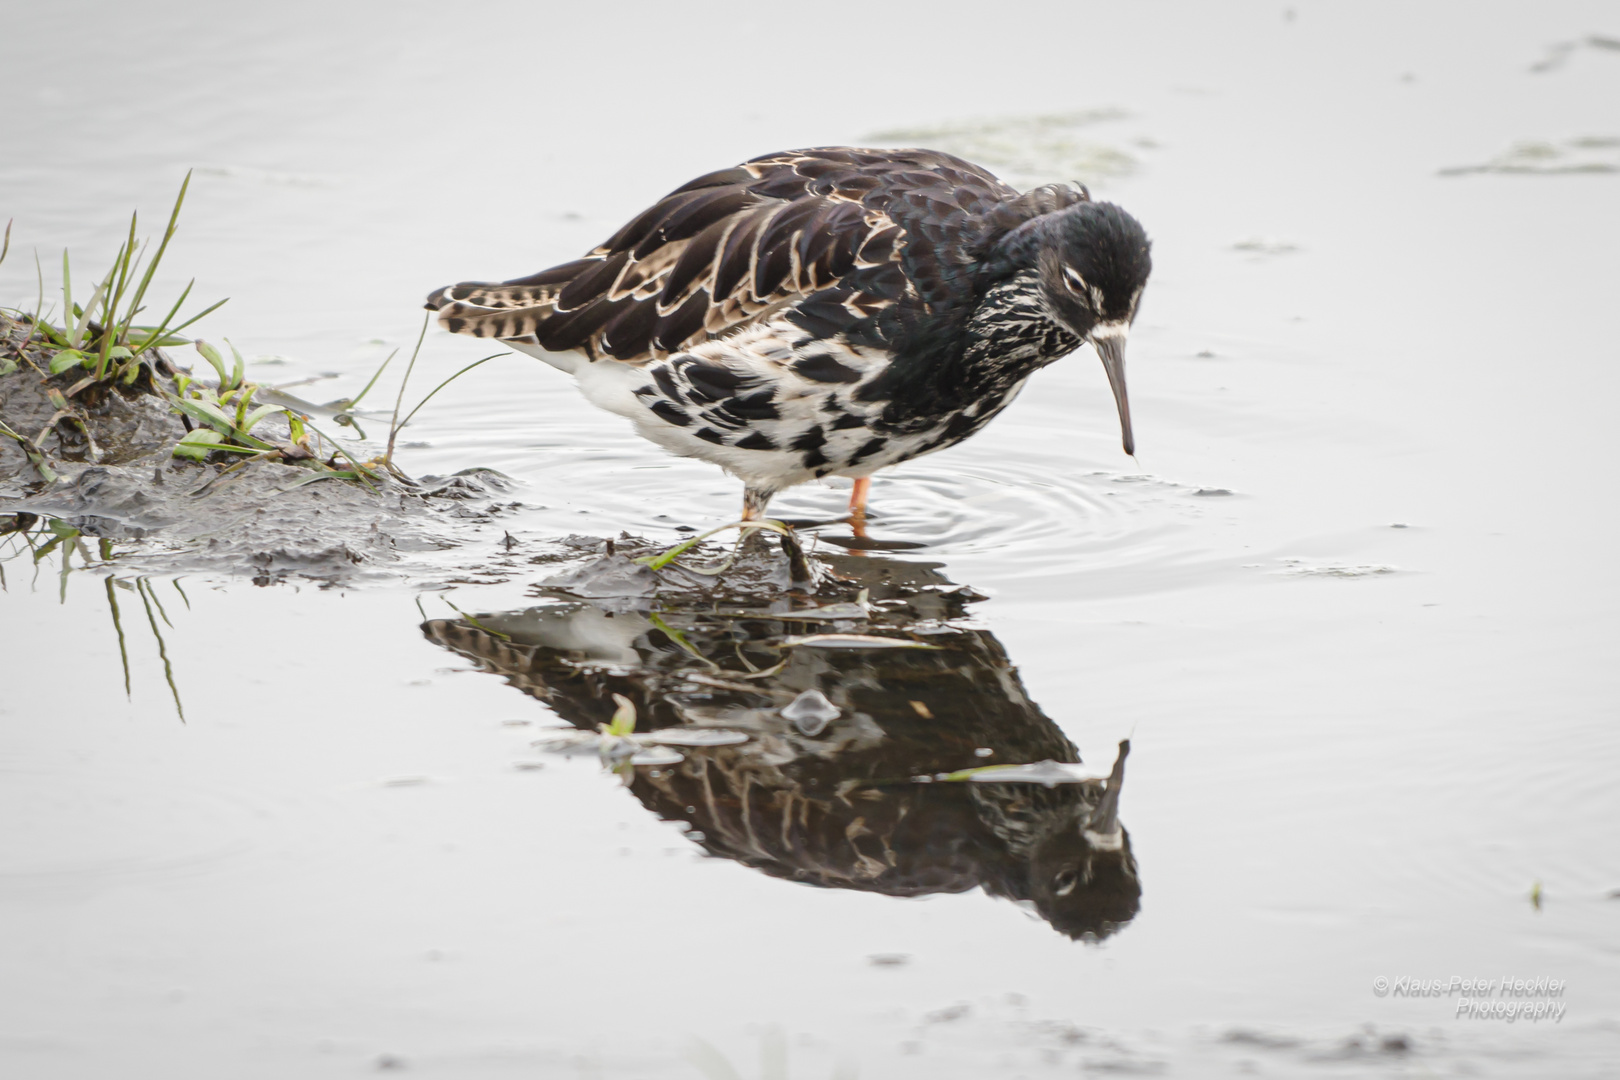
x=100 y=341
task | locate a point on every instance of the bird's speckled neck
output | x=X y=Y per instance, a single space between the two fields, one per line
x=1010 y=333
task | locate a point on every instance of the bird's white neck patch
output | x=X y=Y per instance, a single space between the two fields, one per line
x=1109 y=330
x=1108 y=841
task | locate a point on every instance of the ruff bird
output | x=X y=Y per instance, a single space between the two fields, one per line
x=827 y=312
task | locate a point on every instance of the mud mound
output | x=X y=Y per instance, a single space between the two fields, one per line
x=108 y=471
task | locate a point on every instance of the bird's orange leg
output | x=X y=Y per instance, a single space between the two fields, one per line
x=858 y=493
x=857 y=505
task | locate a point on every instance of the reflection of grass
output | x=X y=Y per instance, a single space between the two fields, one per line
x=1040 y=148
x=25 y=535
x=773 y=1060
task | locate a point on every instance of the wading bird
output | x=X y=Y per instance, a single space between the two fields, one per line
x=827 y=312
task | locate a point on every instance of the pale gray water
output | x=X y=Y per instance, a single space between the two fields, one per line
x=1356 y=746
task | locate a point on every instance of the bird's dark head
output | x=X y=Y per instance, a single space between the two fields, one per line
x=1093 y=261
x=1085 y=889
x=1082 y=875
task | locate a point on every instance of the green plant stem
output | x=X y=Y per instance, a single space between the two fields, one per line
x=658 y=562
x=375 y=376
x=35 y=455
x=394 y=430
x=151 y=267
x=361 y=472
x=393 y=425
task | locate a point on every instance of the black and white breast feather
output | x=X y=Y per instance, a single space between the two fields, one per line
x=815 y=312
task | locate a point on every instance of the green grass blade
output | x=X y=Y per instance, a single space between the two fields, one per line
x=67 y=300
x=258 y=414
x=238 y=369
x=211 y=354
x=151 y=267
x=67 y=293
x=161 y=330
x=356 y=399
x=393 y=425
x=96 y=297
x=128 y=260
x=624 y=717
x=39 y=307
x=361 y=471
x=35 y=456
x=444 y=384
x=210 y=309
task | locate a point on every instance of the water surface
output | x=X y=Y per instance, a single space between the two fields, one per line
x=1352 y=605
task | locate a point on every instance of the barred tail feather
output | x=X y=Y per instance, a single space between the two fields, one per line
x=476 y=320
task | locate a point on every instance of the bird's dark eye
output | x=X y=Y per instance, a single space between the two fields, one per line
x=1063 y=884
x=1076 y=283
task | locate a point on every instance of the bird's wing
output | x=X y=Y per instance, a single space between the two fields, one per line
x=854 y=232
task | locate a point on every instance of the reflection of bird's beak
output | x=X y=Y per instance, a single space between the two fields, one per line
x=1109 y=341
x=1104 y=821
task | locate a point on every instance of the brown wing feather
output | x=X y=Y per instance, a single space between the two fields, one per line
x=733 y=246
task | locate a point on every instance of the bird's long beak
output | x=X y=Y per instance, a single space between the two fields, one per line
x=1103 y=824
x=1109 y=341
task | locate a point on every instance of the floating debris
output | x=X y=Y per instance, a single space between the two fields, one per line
x=1027 y=149
x=859 y=608
x=695 y=736
x=1558 y=55
x=1586 y=154
x=811 y=712
x=619 y=744
x=854 y=641
x=1047 y=773
x=1300 y=568
x=1265 y=245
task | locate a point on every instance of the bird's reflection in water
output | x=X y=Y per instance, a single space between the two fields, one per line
x=829 y=788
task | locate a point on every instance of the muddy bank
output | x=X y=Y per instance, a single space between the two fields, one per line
x=99 y=459
x=82 y=459
x=268 y=521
